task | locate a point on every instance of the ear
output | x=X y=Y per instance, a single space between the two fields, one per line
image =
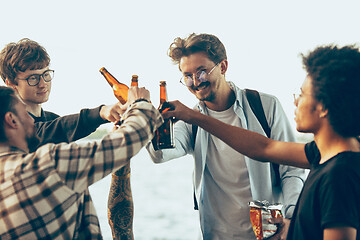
x=224 y=66
x=10 y=84
x=11 y=120
x=322 y=110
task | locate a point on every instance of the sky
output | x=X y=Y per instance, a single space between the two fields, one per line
x=263 y=40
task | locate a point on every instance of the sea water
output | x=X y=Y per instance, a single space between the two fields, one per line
x=163 y=199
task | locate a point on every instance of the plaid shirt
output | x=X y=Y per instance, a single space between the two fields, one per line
x=42 y=193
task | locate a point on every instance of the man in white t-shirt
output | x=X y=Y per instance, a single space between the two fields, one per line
x=225 y=180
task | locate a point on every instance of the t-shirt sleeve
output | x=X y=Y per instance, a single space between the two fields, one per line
x=312 y=153
x=339 y=198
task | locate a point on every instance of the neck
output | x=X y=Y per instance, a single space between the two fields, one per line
x=34 y=109
x=330 y=144
x=224 y=98
x=14 y=141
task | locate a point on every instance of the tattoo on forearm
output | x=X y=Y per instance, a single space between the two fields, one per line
x=120 y=205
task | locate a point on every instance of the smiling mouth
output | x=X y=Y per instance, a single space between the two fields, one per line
x=202 y=86
x=43 y=92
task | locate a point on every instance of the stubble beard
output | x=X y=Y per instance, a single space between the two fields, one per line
x=33 y=141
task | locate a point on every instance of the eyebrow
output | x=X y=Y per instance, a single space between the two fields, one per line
x=36 y=73
x=198 y=69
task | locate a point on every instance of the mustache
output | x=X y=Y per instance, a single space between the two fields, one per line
x=200 y=85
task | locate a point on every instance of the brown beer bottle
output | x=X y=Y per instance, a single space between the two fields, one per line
x=134 y=81
x=164 y=135
x=120 y=89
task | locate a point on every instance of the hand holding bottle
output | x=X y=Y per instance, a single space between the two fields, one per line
x=134 y=94
x=112 y=113
x=164 y=135
x=179 y=111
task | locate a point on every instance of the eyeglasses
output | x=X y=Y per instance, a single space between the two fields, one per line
x=34 y=79
x=296 y=96
x=199 y=75
x=299 y=95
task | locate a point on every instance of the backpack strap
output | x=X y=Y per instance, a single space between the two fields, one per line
x=194 y=131
x=254 y=100
x=253 y=97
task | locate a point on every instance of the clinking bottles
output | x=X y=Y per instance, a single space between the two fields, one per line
x=164 y=135
x=120 y=89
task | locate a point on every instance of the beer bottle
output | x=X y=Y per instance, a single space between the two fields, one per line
x=164 y=135
x=120 y=89
x=134 y=81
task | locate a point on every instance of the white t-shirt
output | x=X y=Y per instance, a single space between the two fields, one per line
x=226 y=190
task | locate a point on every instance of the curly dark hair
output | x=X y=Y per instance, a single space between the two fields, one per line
x=20 y=56
x=194 y=43
x=335 y=74
x=8 y=100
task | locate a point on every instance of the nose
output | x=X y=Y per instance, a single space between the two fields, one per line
x=196 y=81
x=42 y=82
x=296 y=100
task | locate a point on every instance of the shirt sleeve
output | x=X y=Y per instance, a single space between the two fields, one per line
x=339 y=197
x=70 y=127
x=183 y=143
x=312 y=153
x=82 y=164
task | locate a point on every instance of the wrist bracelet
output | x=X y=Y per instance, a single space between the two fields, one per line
x=141 y=100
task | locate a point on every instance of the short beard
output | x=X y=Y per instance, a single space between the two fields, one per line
x=209 y=98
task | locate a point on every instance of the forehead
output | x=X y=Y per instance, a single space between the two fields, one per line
x=307 y=84
x=194 y=60
x=29 y=72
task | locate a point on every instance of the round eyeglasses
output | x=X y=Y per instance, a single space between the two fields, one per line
x=200 y=75
x=34 y=79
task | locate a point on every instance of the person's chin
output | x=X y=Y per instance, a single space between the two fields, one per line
x=42 y=98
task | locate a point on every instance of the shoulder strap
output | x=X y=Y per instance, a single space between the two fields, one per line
x=253 y=97
x=194 y=131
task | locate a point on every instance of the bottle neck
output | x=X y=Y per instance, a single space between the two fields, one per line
x=163 y=95
x=134 y=83
x=109 y=78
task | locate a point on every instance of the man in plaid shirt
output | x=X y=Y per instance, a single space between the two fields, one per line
x=41 y=193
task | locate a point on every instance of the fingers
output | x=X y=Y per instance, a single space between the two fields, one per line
x=116 y=112
x=283 y=227
x=111 y=113
x=135 y=93
x=278 y=220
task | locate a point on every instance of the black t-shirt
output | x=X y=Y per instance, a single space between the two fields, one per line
x=330 y=197
x=45 y=116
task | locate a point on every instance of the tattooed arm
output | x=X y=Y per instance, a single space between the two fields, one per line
x=120 y=204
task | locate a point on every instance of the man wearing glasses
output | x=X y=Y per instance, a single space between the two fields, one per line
x=24 y=66
x=224 y=180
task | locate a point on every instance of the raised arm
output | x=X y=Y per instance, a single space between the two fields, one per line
x=249 y=143
x=82 y=164
x=73 y=127
x=70 y=127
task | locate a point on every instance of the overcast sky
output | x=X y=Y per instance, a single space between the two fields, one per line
x=263 y=41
